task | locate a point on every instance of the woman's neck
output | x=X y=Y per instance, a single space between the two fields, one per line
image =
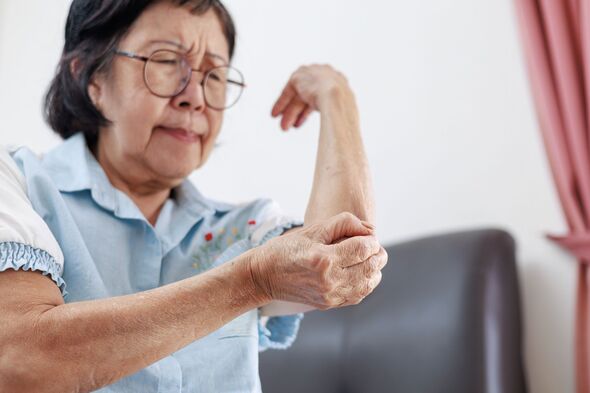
x=148 y=196
x=150 y=205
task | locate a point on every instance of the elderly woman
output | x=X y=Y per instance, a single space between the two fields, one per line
x=116 y=273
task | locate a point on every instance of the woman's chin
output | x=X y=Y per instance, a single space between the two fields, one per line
x=175 y=168
x=180 y=172
x=176 y=162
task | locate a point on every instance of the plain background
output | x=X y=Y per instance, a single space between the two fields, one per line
x=447 y=118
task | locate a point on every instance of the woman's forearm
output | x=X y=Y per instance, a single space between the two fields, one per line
x=342 y=180
x=82 y=346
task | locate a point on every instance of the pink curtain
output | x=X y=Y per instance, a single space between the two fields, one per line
x=556 y=36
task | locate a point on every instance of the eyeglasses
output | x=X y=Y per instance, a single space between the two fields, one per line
x=167 y=74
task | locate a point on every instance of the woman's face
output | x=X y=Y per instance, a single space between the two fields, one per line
x=153 y=141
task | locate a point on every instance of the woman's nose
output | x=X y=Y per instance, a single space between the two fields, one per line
x=193 y=95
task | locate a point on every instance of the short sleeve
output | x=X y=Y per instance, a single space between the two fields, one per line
x=275 y=332
x=272 y=222
x=26 y=243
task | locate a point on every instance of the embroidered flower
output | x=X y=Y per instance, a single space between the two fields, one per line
x=218 y=240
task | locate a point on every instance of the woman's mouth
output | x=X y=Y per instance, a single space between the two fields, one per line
x=181 y=134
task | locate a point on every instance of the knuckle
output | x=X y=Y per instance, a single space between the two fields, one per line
x=376 y=280
x=328 y=300
x=375 y=263
x=351 y=216
x=367 y=289
x=382 y=262
x=347 y=216
x=373 y=266
x=321 y=231
x=327 y=288
x=385 y=256
x=369 y=268
x=363 y=248
x=321 y=261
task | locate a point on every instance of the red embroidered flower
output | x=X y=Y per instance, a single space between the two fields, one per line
x=252 y=222
x=209 y=236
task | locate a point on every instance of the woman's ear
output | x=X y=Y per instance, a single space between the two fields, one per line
x=94 y=90
x=75 y=67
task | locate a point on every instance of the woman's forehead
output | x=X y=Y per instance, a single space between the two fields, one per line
x=177 y=27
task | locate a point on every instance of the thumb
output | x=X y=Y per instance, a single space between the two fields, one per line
x=344 y=225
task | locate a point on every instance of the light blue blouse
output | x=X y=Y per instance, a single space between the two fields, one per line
x=110 y=250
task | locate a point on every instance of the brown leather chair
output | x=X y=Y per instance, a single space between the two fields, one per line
x=445 y=318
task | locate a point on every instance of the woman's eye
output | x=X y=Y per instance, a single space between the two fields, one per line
x=173 y=62
x=218 y=76
x=215 y=77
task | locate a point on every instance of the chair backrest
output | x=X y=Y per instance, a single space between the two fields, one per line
x=445 y=318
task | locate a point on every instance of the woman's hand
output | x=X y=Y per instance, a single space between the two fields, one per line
x=330 y=264
x=310 y=88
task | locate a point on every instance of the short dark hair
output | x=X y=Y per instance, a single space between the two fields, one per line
x=93 y=30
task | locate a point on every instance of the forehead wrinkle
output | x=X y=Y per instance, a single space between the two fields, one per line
x=198 y=49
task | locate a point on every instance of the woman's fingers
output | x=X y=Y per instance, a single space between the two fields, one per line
x=356 y=250
x=369 y=266
x=303 y=116
x=363 y=278
x=292 y=112
x=284 y=99
x=352 y=284
x=294 y=109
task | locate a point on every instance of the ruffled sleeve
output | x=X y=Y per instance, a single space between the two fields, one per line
x=26 y=243
x=275 y=332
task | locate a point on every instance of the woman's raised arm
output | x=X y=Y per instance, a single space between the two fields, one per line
x=342 y=180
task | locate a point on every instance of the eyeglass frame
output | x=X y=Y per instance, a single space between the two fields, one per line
x=206 y=74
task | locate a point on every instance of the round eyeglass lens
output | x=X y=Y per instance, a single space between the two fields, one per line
x=166 y=73
x=223 y=87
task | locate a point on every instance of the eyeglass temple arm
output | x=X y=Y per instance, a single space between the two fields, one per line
x=131 y=55
x=236 y=83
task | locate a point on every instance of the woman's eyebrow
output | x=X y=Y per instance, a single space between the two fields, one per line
x=216 y=56
x=168 y=42
x=185 y=49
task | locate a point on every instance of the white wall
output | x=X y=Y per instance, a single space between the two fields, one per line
x=447 y=117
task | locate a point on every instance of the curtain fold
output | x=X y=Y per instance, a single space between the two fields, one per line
x=556 y=41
